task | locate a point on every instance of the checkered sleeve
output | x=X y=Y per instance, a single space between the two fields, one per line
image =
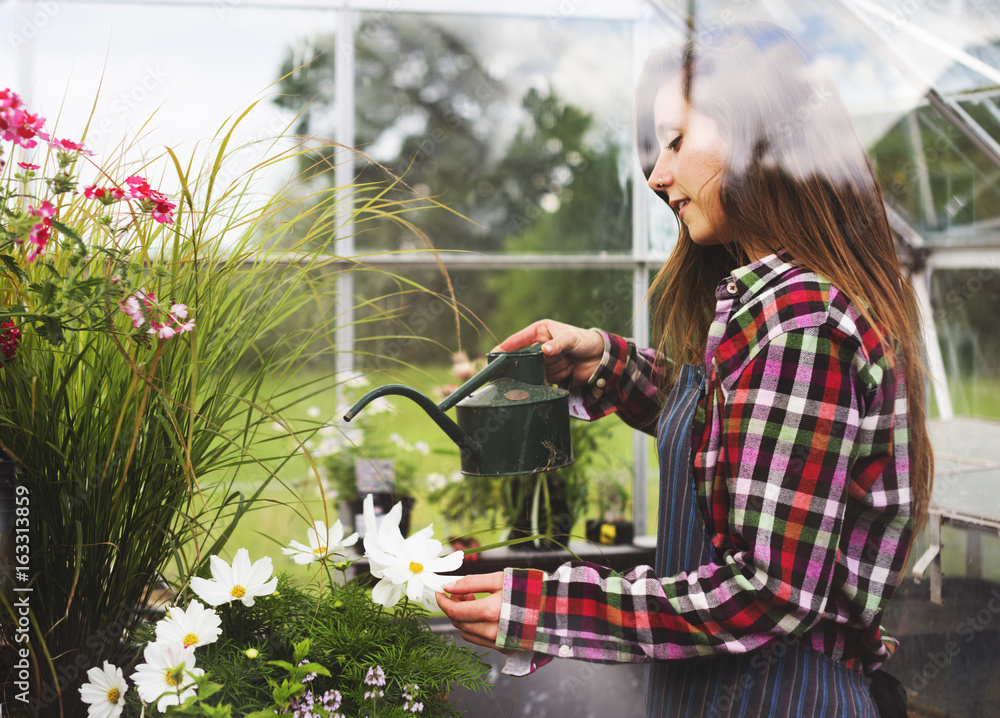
x=789 y=421
x=627 y=383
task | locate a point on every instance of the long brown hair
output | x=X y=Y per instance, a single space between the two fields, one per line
x=797 y=178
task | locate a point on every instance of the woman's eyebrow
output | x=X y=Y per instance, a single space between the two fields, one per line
x=662 y=128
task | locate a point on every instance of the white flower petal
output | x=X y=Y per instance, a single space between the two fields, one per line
x=211 y=592
x=398 y=574
x=415 y=588
x=317 y=535
x=443 y=564
x=386 y=593
x=221 y=571
x=241 y=568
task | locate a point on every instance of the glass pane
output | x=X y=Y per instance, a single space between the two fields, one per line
x=937 y=179
x=530 y=147
x=966 y=306
x=416 y=327
x=16 y=37
x=950 y=43
x=171 y=76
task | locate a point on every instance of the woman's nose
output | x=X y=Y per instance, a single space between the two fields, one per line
x=661 y=177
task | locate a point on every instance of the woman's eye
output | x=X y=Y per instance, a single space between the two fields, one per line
x=675 y=144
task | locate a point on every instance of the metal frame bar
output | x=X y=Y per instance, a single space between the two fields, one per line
x=931 y=558
x=956 y=115
x=554 y=9
x=343 y=175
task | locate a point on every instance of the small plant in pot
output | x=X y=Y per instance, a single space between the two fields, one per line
x=611 y=499
x=359 y=460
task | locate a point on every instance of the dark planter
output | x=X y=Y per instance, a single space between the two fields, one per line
x=383 y=501
x=9 y=471
x=558 y=514
x=610 y=533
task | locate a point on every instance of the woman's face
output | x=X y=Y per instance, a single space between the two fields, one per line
x=689 y=165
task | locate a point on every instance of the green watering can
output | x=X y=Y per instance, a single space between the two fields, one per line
x=510 y=422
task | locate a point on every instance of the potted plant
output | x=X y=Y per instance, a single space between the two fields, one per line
x=543 y=507
x=610 y=499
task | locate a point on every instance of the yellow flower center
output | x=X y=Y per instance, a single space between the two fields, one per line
x=238 y=592
x=113 y=695
x=320 y=550
x=415 y=567
x=190 y=640
x=171 y=680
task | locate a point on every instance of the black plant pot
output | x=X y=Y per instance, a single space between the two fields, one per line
x=9 y=471
x=383 y=502
x=556 y=515
x=610 y=533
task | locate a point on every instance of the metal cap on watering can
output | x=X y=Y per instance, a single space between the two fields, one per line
x=509 y=421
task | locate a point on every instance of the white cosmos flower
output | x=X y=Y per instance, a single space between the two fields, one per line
x=159 y=678
x=241 y=581
x=196 y=626
x=323 y=542
x=105 y=692
x=410 y=564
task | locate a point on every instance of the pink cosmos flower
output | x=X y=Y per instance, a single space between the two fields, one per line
x=45 y=210
x=138 y=185
x=142 y=305
x=41 y=232
x=156 y=203
x=16 y=124
x=162 y=212
x=38 y=238
x=28 y=166
x=69 y=146
x=105 y=195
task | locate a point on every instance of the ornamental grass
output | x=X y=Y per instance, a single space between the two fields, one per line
x=141 y=319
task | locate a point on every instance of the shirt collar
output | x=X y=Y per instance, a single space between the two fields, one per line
x=751 y=279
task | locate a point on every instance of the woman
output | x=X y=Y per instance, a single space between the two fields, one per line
x=789 y=396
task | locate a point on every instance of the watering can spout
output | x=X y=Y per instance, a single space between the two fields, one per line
x=454 y=432
x=515 y=425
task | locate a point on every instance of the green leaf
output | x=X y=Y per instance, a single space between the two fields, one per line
x=11 y=266
x=301 y=650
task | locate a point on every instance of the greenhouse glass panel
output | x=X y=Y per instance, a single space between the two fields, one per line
x=529 y=149
x=951 y=44
x=175 y=82
x=966 y=306
x=406 y=317
x=939 y=181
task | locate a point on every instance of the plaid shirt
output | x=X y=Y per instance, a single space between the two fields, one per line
x=801 y=463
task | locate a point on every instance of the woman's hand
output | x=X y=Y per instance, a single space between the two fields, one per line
x=569 y=351
x=477 y=619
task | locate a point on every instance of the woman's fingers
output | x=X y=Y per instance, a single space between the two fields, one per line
x=532 y=334
x=483 y=634
x=568 y=350
x=477 y=583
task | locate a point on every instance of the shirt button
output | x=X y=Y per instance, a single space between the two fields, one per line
x=565 y=651
x=600 y=383
x=731 y=287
